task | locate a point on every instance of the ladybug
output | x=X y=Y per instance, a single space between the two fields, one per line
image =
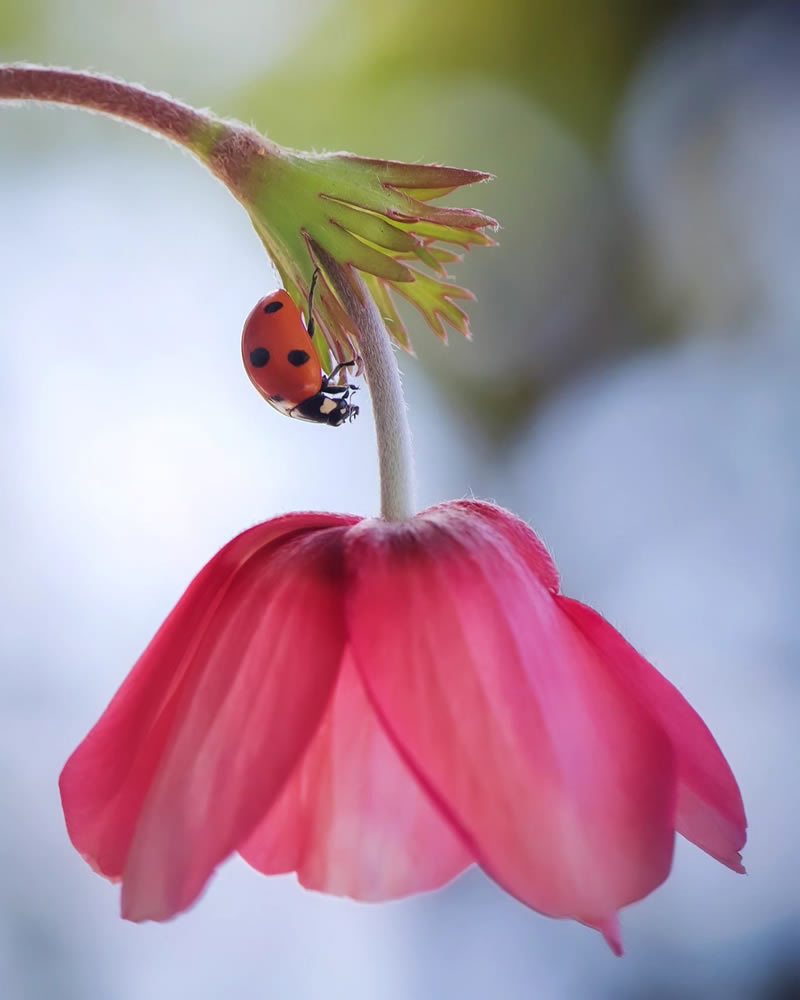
x=283 y=364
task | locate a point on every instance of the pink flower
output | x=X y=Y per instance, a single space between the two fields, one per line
x=377 y=705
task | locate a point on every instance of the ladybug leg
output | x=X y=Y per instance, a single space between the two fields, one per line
x=343 y=364
x=326 y=379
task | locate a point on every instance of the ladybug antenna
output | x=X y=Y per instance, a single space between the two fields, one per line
x=314 y=277
x=310 y=318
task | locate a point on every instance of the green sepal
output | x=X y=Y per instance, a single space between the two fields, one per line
x=374 y=216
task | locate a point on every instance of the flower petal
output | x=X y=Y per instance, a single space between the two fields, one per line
x=353 y=820
x=200 y=737
x=517 y=533
x=710 y=812
x=560 y=782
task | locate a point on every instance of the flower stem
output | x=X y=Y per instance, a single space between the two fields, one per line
x=226 y=149
x=156 y=112
x=395 y=459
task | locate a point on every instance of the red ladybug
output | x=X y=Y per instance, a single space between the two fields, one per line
x=282 y=363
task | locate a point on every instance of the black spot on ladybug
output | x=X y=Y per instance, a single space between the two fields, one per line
x=273 y=307
x=276 y=399
x=259 y=357
x=298 y=358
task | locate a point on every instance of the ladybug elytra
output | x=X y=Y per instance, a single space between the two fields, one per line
x=283 y=364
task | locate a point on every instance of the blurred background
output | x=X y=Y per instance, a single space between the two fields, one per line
x=633 y=390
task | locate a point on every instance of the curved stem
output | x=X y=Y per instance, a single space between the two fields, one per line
x=395 y=459
x=226 y=148
x=155 y=112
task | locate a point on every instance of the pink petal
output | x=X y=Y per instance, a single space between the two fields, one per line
x=525 y=543
x=199 y=738
x=710 y=812
x=560 y=782
x=353 y=820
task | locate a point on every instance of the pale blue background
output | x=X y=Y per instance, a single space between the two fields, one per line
x=666 y=483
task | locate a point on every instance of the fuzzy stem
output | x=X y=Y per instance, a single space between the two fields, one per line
x=395 y=460
x=226 y=148
x=155 y=112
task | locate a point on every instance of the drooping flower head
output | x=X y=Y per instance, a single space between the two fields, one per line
x=375 y=706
